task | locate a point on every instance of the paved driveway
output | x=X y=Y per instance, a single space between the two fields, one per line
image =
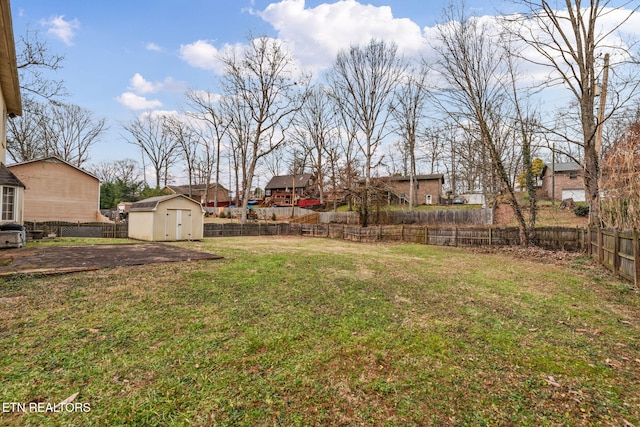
x=66 y=259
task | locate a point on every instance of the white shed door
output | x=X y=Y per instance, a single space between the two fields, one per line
x=576 y=195
x=178 y=226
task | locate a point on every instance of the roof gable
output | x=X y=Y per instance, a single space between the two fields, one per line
x=562 y=167
x=286 y=181
x=54 y=159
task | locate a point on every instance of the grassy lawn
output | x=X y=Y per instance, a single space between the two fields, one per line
x=293 y=331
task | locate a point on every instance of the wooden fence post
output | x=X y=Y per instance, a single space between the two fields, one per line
x=616 y=252
x=578 y=240
x=589 y=248
x=600 y=245
x=455 y=236
x=490 y=236
x=636 y=259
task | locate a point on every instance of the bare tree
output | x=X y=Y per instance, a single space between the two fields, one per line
x=206 y=107
x=45 y=129
x=363 y=80
x=35 y=61
x=183 y=133
x=263 y=91
x=72 y=130
x=316 y=131
x=525 y=126
x=408 y=111
x=23 y=133
x=348 y=171
x=432 y=145
x=570 y=42
x=473 y=65
x=149 y=134
x=125 y=170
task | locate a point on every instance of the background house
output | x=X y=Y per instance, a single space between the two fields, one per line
x=11 y=187
x=568 y=179
x=199 y=192
x=58 y=191
x=280 y=188
x=166 y=218
x=427 y=188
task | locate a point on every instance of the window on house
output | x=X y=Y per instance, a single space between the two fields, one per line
x=8 y=203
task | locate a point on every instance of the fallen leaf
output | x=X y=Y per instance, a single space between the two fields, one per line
x=70 y=398
x=551 y=381
x=612 y=363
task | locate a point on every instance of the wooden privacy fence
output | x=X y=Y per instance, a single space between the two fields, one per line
x=424 y=217
x=566 y=238
x=617 y=251
x=74 y=229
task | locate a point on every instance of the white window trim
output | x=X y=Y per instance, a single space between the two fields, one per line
x=15 y=204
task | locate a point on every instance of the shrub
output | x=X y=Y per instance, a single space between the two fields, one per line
x=273 y=216
x=581 y=210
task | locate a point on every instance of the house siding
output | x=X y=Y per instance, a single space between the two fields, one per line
x=425 y=187
x=56 y=191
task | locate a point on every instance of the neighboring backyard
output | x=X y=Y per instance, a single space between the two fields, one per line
x=302 y=331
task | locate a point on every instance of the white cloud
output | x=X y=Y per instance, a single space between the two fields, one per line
x=200 y=54
x=153 y=47
x=318 y=34
x=140 y=85
x=64 y=30
x=136 y=102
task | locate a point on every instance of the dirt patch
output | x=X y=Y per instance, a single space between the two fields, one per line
x=66 y=259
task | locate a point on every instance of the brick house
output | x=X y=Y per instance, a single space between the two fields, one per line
x=428 y=188
x=568 y=179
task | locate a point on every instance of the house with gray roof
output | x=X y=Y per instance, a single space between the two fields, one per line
x=563 y=181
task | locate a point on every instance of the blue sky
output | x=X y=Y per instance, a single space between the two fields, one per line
x=127 y=57
x=119 y=52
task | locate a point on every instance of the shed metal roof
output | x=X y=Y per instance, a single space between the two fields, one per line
x=151 y=204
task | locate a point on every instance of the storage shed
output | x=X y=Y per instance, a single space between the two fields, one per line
x=166 y=218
